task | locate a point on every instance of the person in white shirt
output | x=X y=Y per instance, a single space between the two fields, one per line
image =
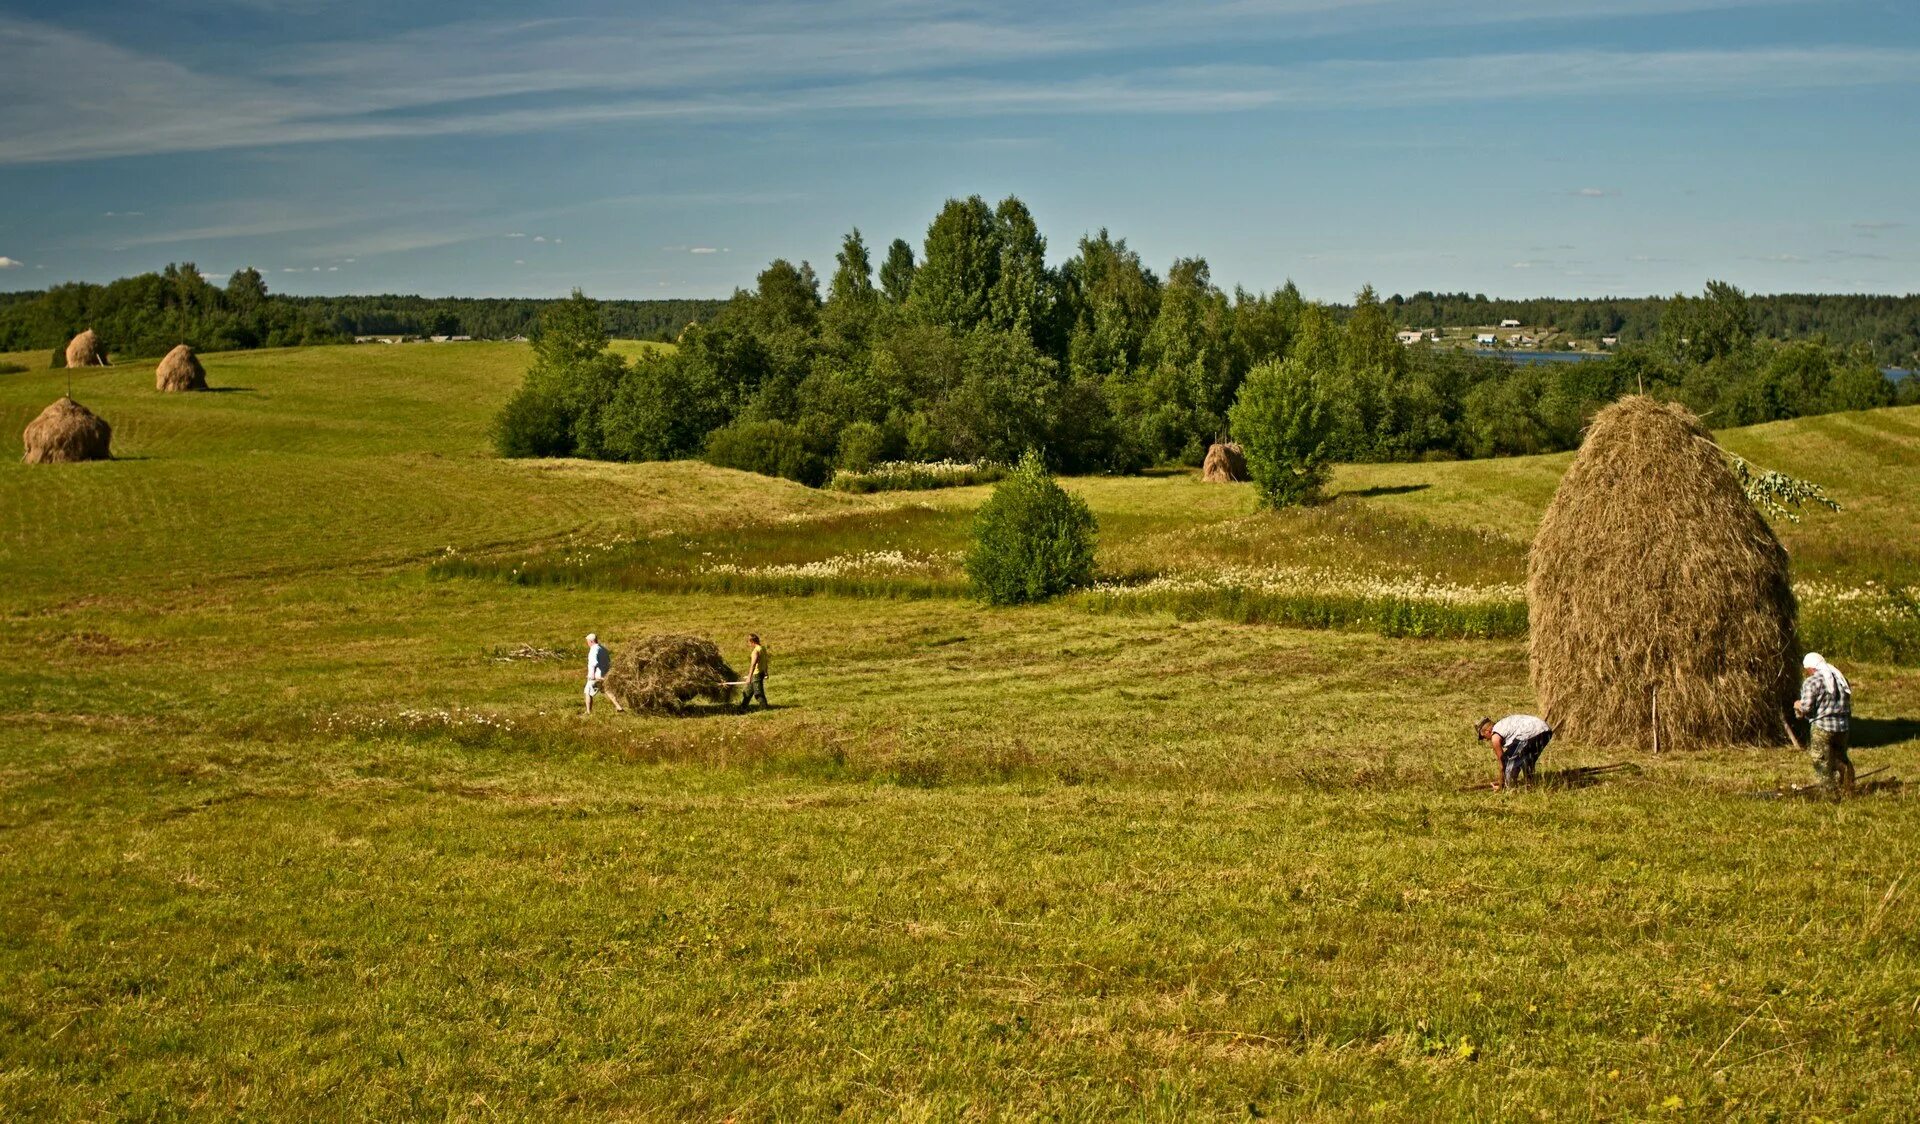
x=599 y=663
x=1518 y=740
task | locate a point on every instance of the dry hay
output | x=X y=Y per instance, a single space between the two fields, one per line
x=67 y=431
x=180 y=370
x=1225 y=464
x=85 y=350
x=663 y=673
x=1654 y=587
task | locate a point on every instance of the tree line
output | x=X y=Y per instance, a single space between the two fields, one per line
x=975 y=348
x=1888 y=325
x=150 y=313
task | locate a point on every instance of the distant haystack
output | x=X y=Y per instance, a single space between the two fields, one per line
x=180 y=370
x=67 y=431
x=664 y=673
x=85 y=350
x=1225 y=464
x=1658 y=598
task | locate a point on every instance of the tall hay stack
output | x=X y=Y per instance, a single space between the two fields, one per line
x=65 y=432
x=1226 y=463
x=86 y=350
x=1655 y=588
x=180 y=371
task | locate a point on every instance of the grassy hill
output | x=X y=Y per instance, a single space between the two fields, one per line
x=286 y=827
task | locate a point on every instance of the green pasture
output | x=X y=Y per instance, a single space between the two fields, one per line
x=287 y=829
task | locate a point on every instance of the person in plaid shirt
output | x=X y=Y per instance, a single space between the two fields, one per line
x=1826 y=702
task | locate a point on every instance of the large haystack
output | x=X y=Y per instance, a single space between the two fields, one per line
x=1655 y=587
x=180 y=370
x=86 y=350
x=67 y=431
x=1225 y=464
x=666 y=672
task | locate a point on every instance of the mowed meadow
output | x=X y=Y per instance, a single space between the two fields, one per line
x=298 y=816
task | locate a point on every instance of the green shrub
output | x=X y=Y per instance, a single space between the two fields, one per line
x=1031 y=540
x=535 y=422
x=862 y=445
x=11 y=368
x=770 y=448
x=1281 y=420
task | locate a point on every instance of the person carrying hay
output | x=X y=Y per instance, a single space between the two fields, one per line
x=755 y=684
x=599 y=663
x=1826 y=702
x=1518 y=740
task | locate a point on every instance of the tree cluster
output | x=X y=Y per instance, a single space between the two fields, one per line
x=977 y=349
x=148 y=314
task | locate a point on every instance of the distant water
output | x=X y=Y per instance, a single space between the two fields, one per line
x=1895 y=374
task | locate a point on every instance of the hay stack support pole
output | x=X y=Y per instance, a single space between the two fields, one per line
x=1656 y=718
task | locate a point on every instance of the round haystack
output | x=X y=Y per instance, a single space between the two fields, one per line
x=85 y=350
x=180 y=370
x=1225 y=464
x=1658 y=599
x=67 y=431
x=663 y=673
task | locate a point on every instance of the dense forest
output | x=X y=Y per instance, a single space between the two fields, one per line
x=148 y=314
x=976 y=349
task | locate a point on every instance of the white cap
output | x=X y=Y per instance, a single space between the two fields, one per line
x=1813 y=660
x=592 y=639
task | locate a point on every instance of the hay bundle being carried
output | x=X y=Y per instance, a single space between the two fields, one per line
x=1225 y=464
x=67 y=431
x=86 y=350
x=1658 y=599
x=180 y=370
x=663 y=673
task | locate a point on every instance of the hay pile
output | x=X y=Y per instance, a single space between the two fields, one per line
x=67 y=431
x=180 y=370
x=1225 y=464
x=1652 y=572
x=667 y=671
x=86 y=350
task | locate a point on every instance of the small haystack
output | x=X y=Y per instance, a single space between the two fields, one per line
x=1225 y=464
x=1659 y=605
x=665 y=672
x=67 y=431
x=180 y=370
x=86 y=350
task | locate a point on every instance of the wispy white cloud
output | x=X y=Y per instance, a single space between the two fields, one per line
x=10 y=263
x=1596 y=192
x=764 y=60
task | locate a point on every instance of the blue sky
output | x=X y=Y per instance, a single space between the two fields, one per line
x=1550 y=147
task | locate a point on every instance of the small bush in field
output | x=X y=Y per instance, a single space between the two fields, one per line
x=1032 y=540
x=770 y=448
x=1281 y=419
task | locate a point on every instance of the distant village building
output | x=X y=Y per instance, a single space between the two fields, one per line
x=1609 y=341
x=1509 y=323
x=1410 y=336
x=1485 y=338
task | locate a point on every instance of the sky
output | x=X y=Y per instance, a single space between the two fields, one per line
x=672 y=149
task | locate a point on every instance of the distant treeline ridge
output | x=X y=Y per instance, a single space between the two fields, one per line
x=148 y=314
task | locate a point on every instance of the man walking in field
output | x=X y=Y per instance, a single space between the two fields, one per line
x=599 y=663
x=1518 y=740
x=756 y=682
x=1826 y=702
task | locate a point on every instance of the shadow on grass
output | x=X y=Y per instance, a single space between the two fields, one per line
x=1586 y=776
x=1872 y=733
x=1384 y=490
x=229 y=390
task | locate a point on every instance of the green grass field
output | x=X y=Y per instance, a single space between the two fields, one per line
x=284 y=833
